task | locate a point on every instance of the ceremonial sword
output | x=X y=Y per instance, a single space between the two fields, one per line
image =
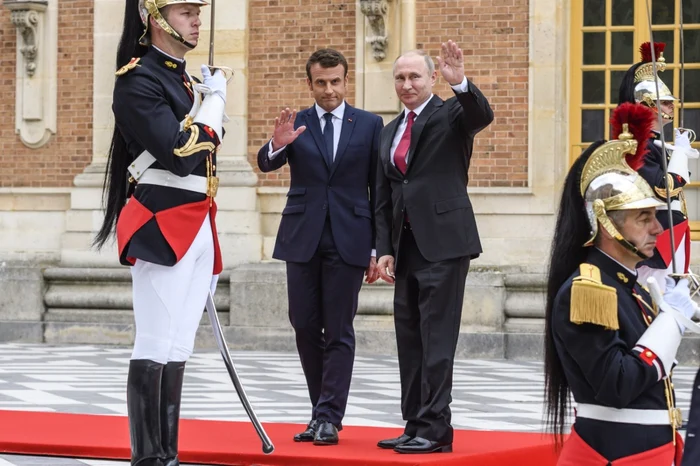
x=663 y=142
x=267 y=446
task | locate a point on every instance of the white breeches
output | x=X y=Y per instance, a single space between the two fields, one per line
x=169 y=301
x=644 y=272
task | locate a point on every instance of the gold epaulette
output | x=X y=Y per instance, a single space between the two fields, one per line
x=133 y=63
x=591 y=301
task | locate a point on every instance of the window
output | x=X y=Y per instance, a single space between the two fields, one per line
x=605 y=40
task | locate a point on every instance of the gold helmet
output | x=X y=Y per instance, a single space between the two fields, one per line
x=645 y=80
x=609 y=180
x=148 y=8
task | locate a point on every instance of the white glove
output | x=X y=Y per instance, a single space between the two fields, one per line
x=678 y=297
x=211 y=112
x=682 y=140
x=213 y=83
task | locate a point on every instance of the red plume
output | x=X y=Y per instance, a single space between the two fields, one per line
x=645 y=50
x=640 y=120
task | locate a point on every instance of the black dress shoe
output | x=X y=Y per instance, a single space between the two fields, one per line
x=391 y=443
x=309 y=434
x=421 y=445
x=326 y=434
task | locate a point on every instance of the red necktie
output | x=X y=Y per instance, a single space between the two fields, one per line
x=404 y=144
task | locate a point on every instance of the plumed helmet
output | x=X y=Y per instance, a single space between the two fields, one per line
x=609 y=180
x=148 y=8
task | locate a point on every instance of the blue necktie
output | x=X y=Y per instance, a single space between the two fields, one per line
x=328 y=138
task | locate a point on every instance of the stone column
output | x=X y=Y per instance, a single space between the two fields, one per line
x=85 y=214
x=385 y=28
x=238 y=220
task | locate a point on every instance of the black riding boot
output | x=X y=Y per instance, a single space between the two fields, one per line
x=170 y=397
x=143 y=404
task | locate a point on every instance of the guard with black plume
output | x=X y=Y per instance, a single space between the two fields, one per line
x=159 y=193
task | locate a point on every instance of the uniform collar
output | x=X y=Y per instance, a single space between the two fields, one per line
x=176 y=65
x=612 y=268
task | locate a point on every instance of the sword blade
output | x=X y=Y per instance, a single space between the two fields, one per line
x=267 y=447
x=212 y=26
x=664 y=163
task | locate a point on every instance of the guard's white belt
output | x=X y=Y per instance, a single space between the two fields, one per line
x=165 y=178
x=648 y=417
x=675 y=205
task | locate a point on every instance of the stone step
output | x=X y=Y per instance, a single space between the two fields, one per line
x=101 y=289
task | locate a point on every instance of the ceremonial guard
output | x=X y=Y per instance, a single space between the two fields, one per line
x=639 y=85
x=606 y=341
x=159 y=190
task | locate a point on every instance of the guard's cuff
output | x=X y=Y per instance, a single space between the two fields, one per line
x=679 y=165
x=651 y=359
x=662 y=339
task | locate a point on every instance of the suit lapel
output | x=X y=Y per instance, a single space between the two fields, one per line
x=418 y=126
x=385 y=151
x=346 y=128
x=314 y=127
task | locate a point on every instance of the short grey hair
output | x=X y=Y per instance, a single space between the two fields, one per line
x=420 y=53
x=617 y=217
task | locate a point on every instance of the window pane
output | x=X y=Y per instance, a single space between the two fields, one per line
x=622 y=12
x=691 y=44
x=594 y=87
x=663 y=11
x=592 y=125
x=691 y=119
x=594 y=48
x=691 y=12
x=622 y=48
x=615 y=80
x=692 y=90
x=667 y=38
x=594 y=13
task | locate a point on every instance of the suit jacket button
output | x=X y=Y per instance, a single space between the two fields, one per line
x=405 y=181
x=325 y=206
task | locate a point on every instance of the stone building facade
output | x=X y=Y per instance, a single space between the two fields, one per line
x=58 y=126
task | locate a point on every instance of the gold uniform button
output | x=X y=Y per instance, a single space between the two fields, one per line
x=649 y=354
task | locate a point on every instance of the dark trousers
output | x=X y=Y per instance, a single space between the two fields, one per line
x=427 y=313
x=322 y=305
x=691 y=454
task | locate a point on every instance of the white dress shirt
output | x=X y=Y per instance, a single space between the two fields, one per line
x=337 y=120
x=459 y=88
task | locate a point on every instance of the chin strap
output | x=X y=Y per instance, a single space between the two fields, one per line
x=158 y=17
x=602 y=217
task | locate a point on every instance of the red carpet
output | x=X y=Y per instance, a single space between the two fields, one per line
x=235 y=443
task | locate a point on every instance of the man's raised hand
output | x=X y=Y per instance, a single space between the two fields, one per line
x=284 y=129
x=451 y=63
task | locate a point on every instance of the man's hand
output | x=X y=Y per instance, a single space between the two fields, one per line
x=284 y=129
x=386 y=268
x=372 y=272
x=451 y=63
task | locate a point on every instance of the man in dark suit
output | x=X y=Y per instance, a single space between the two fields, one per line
x=426 y=226
x=326 y=235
